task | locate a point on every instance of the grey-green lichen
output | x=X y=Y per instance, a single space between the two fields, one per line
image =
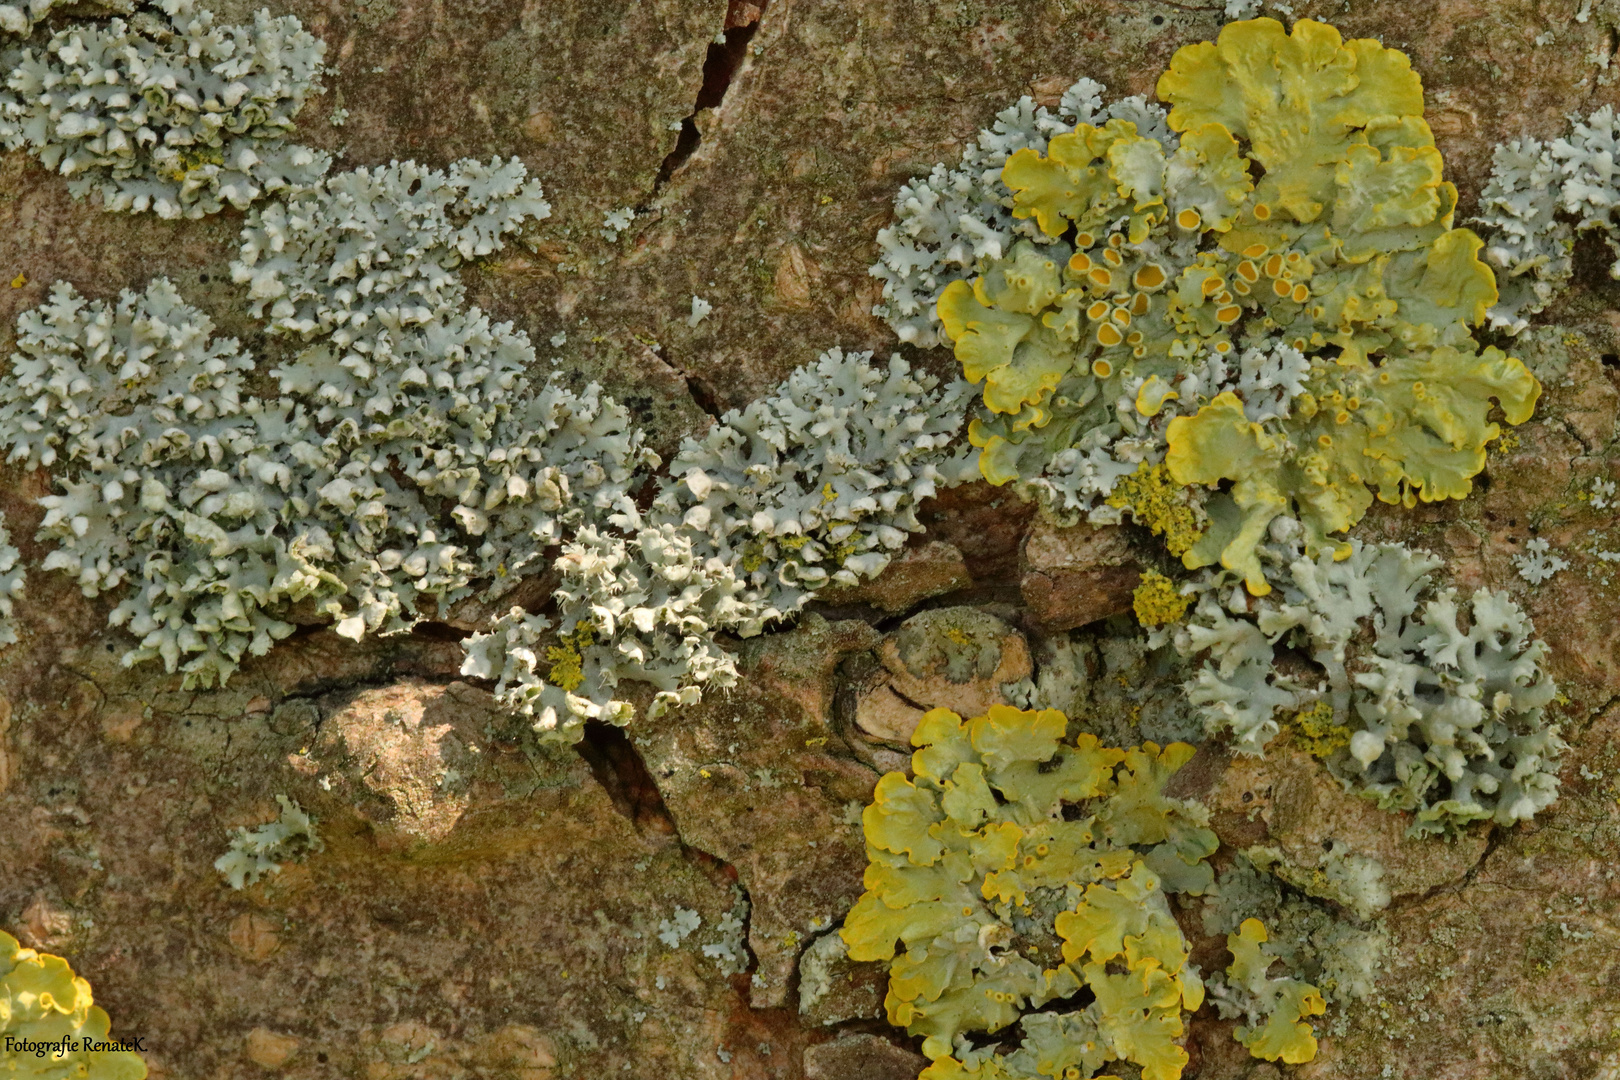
x=1444 y=701
x=167 y=111
x=815 y=485
x=405 y=457
x=818 y=483
x=1539 y=196
x=1340 y=952
x=21 y=17
x=13 y=578
x=261 y=850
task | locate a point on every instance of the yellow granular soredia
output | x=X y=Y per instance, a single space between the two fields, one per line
x=1158 y=502
x=567 y=659
x=1316 y=733
x=1157 y=601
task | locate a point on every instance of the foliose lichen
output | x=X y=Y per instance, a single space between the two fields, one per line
x=406 y=457
x=259 y=851
x=50 y=1026
x=1019 y=868
x=1308 y=232
x=815 y=485
x=1337 y=947
x=167 y=111
x=1275 y=1008
x=13 y=580
x=818 y=483
x=1539 y=195
x=1444 y=701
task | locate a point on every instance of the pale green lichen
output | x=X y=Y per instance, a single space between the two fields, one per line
x=1539 y=196
x=50 y=1026
x=1019 y=869
x=814 y=486
x=406 y=458
x=817 y=484
x=167 y=111
x=13 y=579
x=261 y=850
x=1443 y=702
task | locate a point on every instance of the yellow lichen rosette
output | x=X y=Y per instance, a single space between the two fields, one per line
x=1303 y=206
x=1017 y=867
x=47 y=1018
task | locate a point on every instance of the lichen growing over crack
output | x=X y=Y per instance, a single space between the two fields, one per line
x=815 y=485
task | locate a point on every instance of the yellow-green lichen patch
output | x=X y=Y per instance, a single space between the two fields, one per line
x=1157 y=601
x=1107 y=336
x=50 y=1027
x=1160 y=503
x=1017 y=868
x=1316 y=733
x=1277 y=1028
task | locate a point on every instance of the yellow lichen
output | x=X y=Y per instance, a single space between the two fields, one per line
x=1285 y=1002
x=1157 y=600
x=50 y=1025
x=978 y=835
x=1316 y=733
x=567 y=657
x=1158 y=502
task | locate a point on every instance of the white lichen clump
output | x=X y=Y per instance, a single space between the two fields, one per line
x=1538 y=196
x=262 y=850
x=406 y=456
x=1443 y=721
x=818 y=484
x=814 y=486
x=674 y=931
x=167 y=111
x=13 y=576
x=1538 y=563
x=20 y=18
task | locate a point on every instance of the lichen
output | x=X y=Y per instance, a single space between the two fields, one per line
x=259 y=851
x=13 y=580
x=1314 y=221
x=1315 y=731
x=1160 y=504
x=168 y=111
x=1276 y=1008
x=1340 y=950
x=817 y=484
x=1443 y=701
x=21 y=17
x=1539 y=195
x=1537 y=564
x=1019 y=869
x=1157 y=600
x=50 y=1026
